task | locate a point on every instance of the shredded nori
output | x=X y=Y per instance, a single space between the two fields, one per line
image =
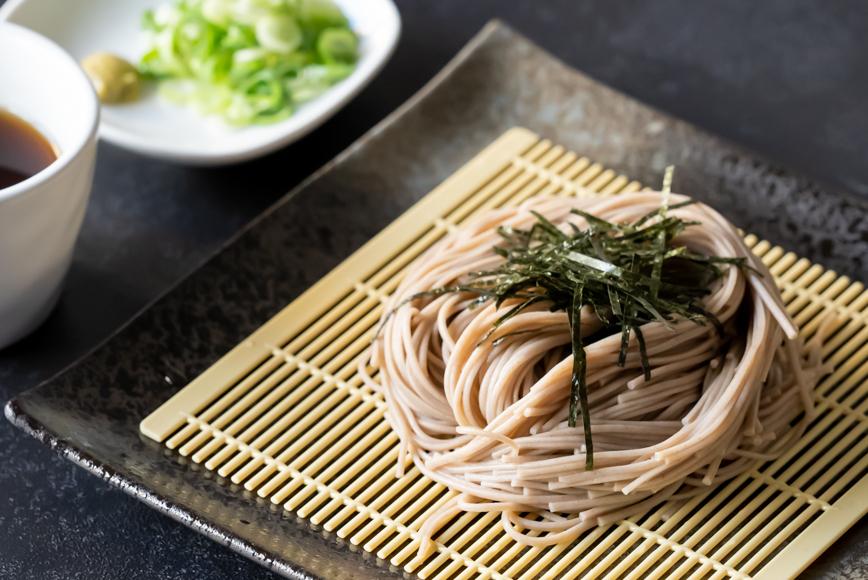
x=629 y=274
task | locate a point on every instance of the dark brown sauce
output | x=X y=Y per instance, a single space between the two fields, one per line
x=24 y=151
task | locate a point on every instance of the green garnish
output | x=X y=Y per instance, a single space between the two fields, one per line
x=249 y=62
x=630 y=274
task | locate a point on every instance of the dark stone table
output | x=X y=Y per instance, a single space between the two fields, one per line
x=786 y=78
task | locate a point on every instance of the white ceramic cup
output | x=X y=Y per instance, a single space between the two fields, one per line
x=40 y=217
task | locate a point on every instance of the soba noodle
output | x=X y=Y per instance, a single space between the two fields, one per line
x=486 y=413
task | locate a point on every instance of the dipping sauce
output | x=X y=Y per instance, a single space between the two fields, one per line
x=24 y=151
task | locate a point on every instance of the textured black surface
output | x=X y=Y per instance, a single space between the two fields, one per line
x=786 y=78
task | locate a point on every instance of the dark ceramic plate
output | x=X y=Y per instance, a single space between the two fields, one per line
x=91 y=412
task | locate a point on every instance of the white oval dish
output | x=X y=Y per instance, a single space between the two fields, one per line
x=156 y=128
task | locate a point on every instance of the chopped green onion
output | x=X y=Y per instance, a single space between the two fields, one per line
x=337 y=45
x=280 y=33
x=321 y=14
x=249 y=62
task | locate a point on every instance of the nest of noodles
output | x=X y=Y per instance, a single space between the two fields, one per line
x=486 y=413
